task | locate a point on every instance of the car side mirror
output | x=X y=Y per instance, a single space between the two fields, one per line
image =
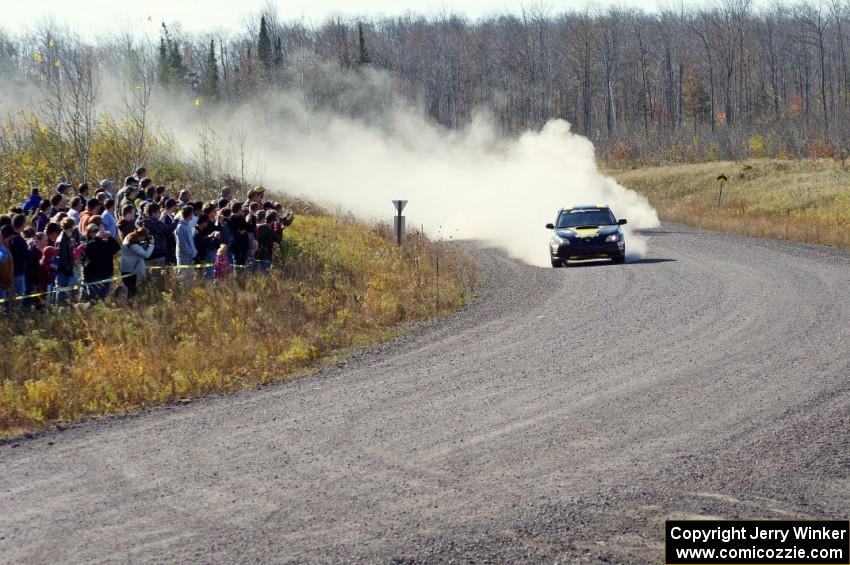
x=550 y=226
x=622 y=221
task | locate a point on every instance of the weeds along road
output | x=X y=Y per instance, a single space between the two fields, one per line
x=562 y=416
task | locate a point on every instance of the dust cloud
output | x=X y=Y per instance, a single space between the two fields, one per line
x=368 y=145
x=469 y=184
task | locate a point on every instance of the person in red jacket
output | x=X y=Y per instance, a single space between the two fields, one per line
x=47 y=268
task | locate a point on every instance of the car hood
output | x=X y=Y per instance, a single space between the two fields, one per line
x=587 y=232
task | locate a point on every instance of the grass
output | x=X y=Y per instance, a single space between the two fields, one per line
x=339 y=285
x=805 y=200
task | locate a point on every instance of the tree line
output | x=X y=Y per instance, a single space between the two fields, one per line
x=724 y=80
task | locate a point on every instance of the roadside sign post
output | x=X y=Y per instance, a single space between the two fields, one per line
x=398 y=221
x=722 y=178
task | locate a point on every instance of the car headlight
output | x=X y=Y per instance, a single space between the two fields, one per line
x=612 y=238
x=558 y=240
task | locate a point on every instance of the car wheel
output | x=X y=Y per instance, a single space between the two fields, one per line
x=557 y=263
x=620 y=258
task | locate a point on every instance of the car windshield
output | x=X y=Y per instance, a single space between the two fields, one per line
x=589 y=217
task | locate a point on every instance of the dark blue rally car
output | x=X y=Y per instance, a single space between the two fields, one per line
x=586 y=232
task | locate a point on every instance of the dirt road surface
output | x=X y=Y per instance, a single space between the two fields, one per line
x=562 y=416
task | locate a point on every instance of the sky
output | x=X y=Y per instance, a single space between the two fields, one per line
x=93 y=17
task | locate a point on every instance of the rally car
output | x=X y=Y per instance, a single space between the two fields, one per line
x=586 y=232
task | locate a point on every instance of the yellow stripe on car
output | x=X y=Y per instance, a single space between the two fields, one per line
x=586 y=231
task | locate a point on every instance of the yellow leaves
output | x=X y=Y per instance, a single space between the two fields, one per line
x=43 y=399
x=297 y=350
x=56 y=63
x=38 y=57
x=757 y=146
x=198 y=102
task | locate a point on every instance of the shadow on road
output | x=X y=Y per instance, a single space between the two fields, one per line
x=606 y=263
x=657 y=231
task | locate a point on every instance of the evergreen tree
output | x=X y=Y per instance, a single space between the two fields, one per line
x=365 y=59
x=210 y=86
x=175 y=60
x=278 y=53
x=164 y=71
x=264 y=50
x=172 y=71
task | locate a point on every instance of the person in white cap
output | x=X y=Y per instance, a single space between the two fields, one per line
x=106 y=185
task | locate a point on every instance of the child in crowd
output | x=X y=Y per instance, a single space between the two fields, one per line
x=222 y=263
x=48 y=265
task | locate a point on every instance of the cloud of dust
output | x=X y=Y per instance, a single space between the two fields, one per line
x=469 y=184
x=370 y=146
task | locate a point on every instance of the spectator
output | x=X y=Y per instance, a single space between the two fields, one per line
x=18 y=249
x=76 y=206
x=256 y=195
x=56 y=205
x=66 y=243
x=127 y=196
x=146 y=185
x=127 y=192
x=106 y=186
x=32 y=203
x=47 y=267
x=109 y=221
x=267 y=236
x=223 y=227
x=206 y=243
x=7 y=267
x=186 y=251
x=92 y=209
x=52 y=232
x=210 y=210
x=141 y=174
x=128 y=222
x=83 y=191
x=222 y=266
x=51 y=241
x=36 y=244
x=96 y=220
x=100 y=250
x=135 y=249
x=159 y=233
x=41 y=219
x=169 y=213
x=239 y=232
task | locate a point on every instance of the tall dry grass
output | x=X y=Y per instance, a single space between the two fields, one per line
x=806 y=200
x=339 y=285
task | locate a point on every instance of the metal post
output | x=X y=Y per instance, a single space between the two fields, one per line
x=723 y=180
x=398 y=221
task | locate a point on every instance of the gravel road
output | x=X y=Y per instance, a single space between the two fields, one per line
x=562 y=416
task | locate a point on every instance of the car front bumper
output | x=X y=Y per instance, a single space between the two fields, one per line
x=580 y=249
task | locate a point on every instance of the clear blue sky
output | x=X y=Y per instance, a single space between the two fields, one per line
x=108 y=16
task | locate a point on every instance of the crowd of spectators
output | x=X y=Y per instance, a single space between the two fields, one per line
x=66 y=246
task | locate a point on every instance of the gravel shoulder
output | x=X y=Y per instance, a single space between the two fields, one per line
x=562 y=416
